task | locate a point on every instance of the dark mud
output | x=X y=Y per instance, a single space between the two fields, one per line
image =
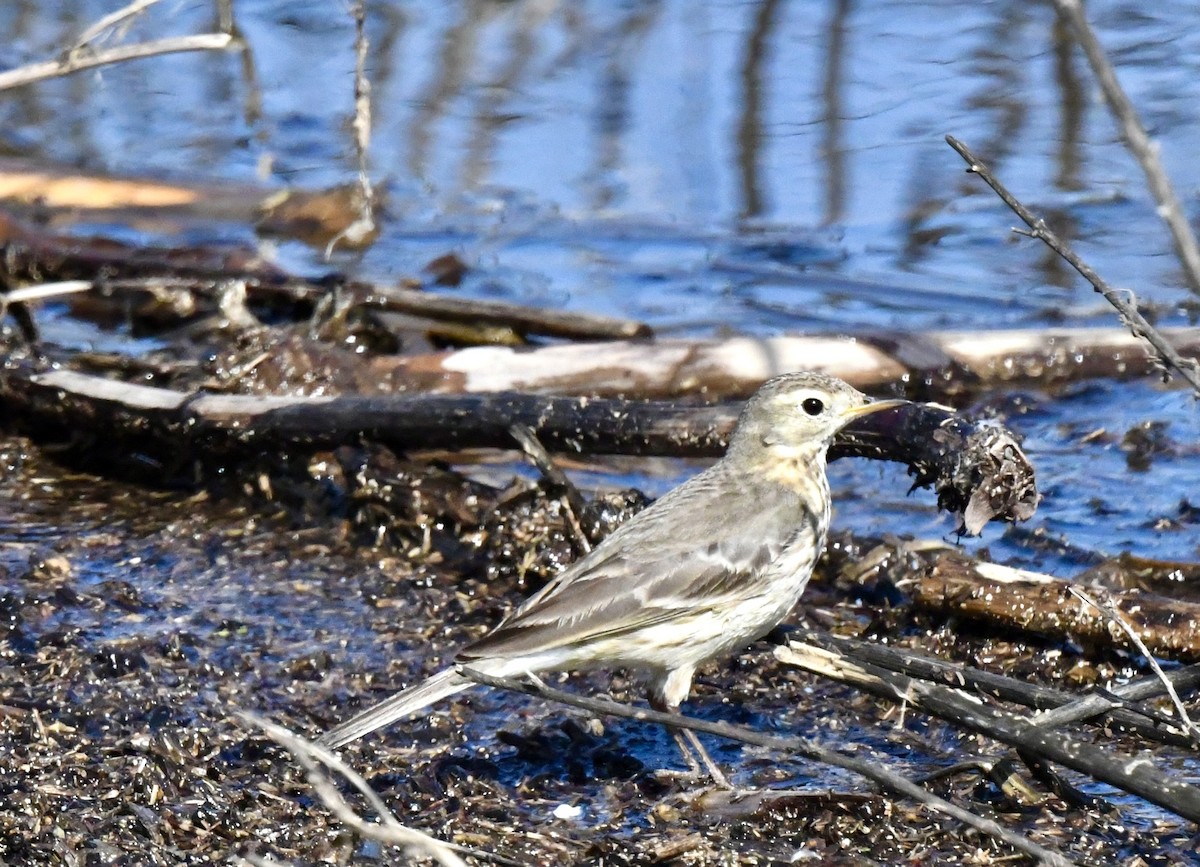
x=136 y=623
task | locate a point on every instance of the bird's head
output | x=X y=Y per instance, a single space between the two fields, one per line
x=795 y=416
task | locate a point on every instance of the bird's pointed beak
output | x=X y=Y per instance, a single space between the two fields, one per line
x=872 y=407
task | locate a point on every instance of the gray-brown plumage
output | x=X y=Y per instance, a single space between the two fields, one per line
x=708 y=568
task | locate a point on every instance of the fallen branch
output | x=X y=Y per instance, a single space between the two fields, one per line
x=886 y=779
x=31 y=254
x=1161 y=348
x=1135 y=776
x=1061 y=708
x=977 y=468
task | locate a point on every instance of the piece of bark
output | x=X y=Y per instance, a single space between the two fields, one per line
x=1042 y=604
x=169 y=423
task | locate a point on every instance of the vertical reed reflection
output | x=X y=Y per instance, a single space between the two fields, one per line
x=612 y=116
x=750 y=125
x=450 y=74
x=832 y=151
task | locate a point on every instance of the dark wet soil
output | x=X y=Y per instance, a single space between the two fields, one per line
x=135 y=623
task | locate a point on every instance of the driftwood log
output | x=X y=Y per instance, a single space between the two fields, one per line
x=935 y=363
x=977 y=468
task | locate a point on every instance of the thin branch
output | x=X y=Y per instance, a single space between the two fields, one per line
x=1097 y=703
x=1115 y=616
x=388 y=830
x=871 y=770
x=109 y=21
x=556 y=480
x=1128 y=311
x=362 y=230
x=77 y=62
x=1144 y=150
x=43 y=291
x=1066 y=710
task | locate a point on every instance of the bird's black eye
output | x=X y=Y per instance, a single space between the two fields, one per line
x=812 y=406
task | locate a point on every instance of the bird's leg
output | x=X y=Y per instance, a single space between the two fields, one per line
x=694 y=754
x=685 y=737
x=694 y=766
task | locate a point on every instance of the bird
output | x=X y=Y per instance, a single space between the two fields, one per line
x=705 y=570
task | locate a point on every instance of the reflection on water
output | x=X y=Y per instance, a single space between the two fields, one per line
x=501 y=126
x=758 y=167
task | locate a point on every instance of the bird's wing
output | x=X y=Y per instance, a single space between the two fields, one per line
x=684 y=551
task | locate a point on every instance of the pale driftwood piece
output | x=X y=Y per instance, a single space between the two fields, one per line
x=978 y=470
x=735 y=367
x=1160 y=347
x=1138 y=140
x=1043 y=604
x=1061 y=707
x=886 y=779
x=1135 y=776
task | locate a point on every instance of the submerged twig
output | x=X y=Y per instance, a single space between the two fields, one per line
x=871 y=770
x=1144 y=150
x=1128 y=311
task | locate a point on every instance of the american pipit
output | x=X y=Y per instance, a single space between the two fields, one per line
x=708 y=568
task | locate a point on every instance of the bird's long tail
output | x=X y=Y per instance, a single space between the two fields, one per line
x=411 y=700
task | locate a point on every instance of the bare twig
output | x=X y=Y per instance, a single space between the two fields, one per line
x=1144 y=150
x=1137 y=690
x=362 y=229
x=1115 y=616
x=557 y=479
x=388 y=830
x=43 y=291
x=110 y=21
x=871 y=770
x=78 y=61
x=1128 y=311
